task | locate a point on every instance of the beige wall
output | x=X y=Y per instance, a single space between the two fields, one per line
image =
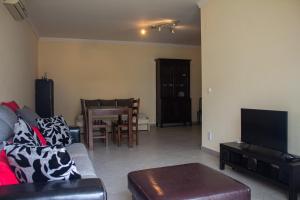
x=251 y=58
x=18 y=59
x=95 y=69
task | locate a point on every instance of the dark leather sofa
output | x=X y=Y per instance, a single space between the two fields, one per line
x=89 y=188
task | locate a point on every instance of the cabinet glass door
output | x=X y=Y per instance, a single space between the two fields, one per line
x=167 y=82
x=181 y=81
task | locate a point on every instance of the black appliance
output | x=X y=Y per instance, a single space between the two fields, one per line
x=173 y=101
x=265 y=128
x=44 y=97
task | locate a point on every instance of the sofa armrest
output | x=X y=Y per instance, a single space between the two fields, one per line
x=90 y=189
x=75 y=134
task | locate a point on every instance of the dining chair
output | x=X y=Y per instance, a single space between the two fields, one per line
x=84 y=104
x=120 y=103
x=99 y=127
x=109 y=120
x=123 y=126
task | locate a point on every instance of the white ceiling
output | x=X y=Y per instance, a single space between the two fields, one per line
x=118 y=20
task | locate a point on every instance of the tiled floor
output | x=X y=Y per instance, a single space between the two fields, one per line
x=162 y=147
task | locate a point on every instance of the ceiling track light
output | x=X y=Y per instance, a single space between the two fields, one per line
x=165 y=25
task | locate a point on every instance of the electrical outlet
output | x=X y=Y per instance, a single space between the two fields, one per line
x=210 y=135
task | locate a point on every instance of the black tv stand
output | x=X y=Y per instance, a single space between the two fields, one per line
x=273 y=166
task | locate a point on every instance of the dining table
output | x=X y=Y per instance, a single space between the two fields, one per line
x=96 y=112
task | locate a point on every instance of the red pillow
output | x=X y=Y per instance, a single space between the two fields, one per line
x=7 y=176
x=39 y=135
x=12 y=105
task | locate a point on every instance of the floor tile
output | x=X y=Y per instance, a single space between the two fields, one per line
x=163 y=147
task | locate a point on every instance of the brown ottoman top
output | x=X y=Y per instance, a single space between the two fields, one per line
x=189 y=181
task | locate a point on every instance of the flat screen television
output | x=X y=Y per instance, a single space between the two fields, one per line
x=265 y=128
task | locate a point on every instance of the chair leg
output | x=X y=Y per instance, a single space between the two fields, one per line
x=119 y=136
x=113 y=137
x=128 y=139
x=113 y=134
x=86 y=134
x=106 y=137
x=136 y=138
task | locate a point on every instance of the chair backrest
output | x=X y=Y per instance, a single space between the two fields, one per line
x=88 y=103
x=135 y=111
x=84 y=106
x=124 y=102
x=110 y=102
x=94 y=102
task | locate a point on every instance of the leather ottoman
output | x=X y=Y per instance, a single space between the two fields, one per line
x=185 y=182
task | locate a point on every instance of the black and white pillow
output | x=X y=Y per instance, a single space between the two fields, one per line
x=24 y=134
x=55 y=130
x=40 y=164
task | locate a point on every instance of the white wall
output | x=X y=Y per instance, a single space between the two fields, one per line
x=92 y=69
x=18 y=59
x=251 y=58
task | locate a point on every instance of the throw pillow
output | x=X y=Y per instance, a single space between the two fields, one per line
x=24 y=134
x=41 y=164
x=12 y=105
x=5 y=131
x=55 y=130
x=8 y=116
x=7 y=175
x=28 y=115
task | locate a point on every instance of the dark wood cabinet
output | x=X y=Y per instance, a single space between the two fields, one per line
x=44 y=97
x=173 y=102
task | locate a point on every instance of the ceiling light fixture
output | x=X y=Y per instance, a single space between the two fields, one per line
x=143 y=31
x=170 y=25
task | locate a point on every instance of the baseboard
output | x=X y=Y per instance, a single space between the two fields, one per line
x=210 y=151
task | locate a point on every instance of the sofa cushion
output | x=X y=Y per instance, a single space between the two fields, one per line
x=11 y=105
x=77 y=149
x=41 y=164
x=8 y=116
x=80 y=155
x=55 y=130
x=84 y=166
x=28 y=115
x=24 y=134
x=5 y=131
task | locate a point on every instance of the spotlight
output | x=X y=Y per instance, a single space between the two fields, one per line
x=143 y=31
x=169 y=25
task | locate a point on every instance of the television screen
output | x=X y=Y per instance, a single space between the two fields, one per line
x=265 y=128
